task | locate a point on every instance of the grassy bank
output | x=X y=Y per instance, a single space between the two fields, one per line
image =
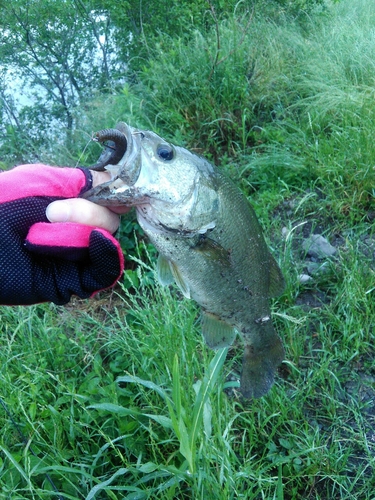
x=118 y=397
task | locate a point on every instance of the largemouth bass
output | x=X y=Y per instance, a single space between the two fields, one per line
x=209 y=240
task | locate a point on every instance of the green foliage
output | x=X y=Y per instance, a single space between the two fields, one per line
x=186 y=425
x=118 y=397
x=59 y=54
x=298 y=6
x=220 y=90
x=128 y=404
x=279 y=97
x=54 y=56
x=149 y=21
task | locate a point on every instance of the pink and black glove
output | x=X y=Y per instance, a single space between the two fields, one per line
x=49 y=262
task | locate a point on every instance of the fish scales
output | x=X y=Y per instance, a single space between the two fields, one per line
x=211 y=244
x=228 y=286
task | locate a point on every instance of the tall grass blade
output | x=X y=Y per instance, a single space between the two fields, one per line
x=209 y=381
x=102 y=486
x=16 y=465
x=176 y=394
x=145 y=383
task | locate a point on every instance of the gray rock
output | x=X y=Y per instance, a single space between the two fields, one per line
x=319 y=247
x=304 y=278
x=317 y=267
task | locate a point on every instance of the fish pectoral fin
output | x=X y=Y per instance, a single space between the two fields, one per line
x=164 y=271
x=212 y=250
x=277 y=282
x=216 y=332
x=179 y=279
x=169 y=273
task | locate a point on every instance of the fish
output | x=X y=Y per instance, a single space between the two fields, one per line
x=209 y=240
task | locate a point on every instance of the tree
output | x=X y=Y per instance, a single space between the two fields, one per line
x=65 y=53
x=60 y=51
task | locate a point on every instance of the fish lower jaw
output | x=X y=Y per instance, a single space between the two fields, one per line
x=154 y=227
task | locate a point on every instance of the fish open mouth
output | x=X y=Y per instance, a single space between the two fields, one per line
x=117 y=141
x=116 y=144
x=121 y=158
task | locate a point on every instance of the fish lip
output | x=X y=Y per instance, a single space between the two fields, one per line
x=124 y=174
x=129 y=167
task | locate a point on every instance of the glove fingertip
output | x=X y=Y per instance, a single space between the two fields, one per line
x=106 y=256
x=59 y=234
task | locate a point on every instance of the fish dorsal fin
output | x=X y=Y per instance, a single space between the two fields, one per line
x=164 y=271
x=216 y=332
x=277 y=282
x=169 y=273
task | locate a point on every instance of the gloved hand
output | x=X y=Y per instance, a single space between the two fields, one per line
x=42 y=261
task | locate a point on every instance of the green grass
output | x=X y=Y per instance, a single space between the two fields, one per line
x=118 y=397
x=129 y=403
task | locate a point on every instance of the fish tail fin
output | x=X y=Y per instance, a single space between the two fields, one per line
x=260 y=364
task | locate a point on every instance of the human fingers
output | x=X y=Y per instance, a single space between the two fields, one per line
x=83 y=212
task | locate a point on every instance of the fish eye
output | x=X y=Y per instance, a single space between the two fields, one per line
x=165 y=152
